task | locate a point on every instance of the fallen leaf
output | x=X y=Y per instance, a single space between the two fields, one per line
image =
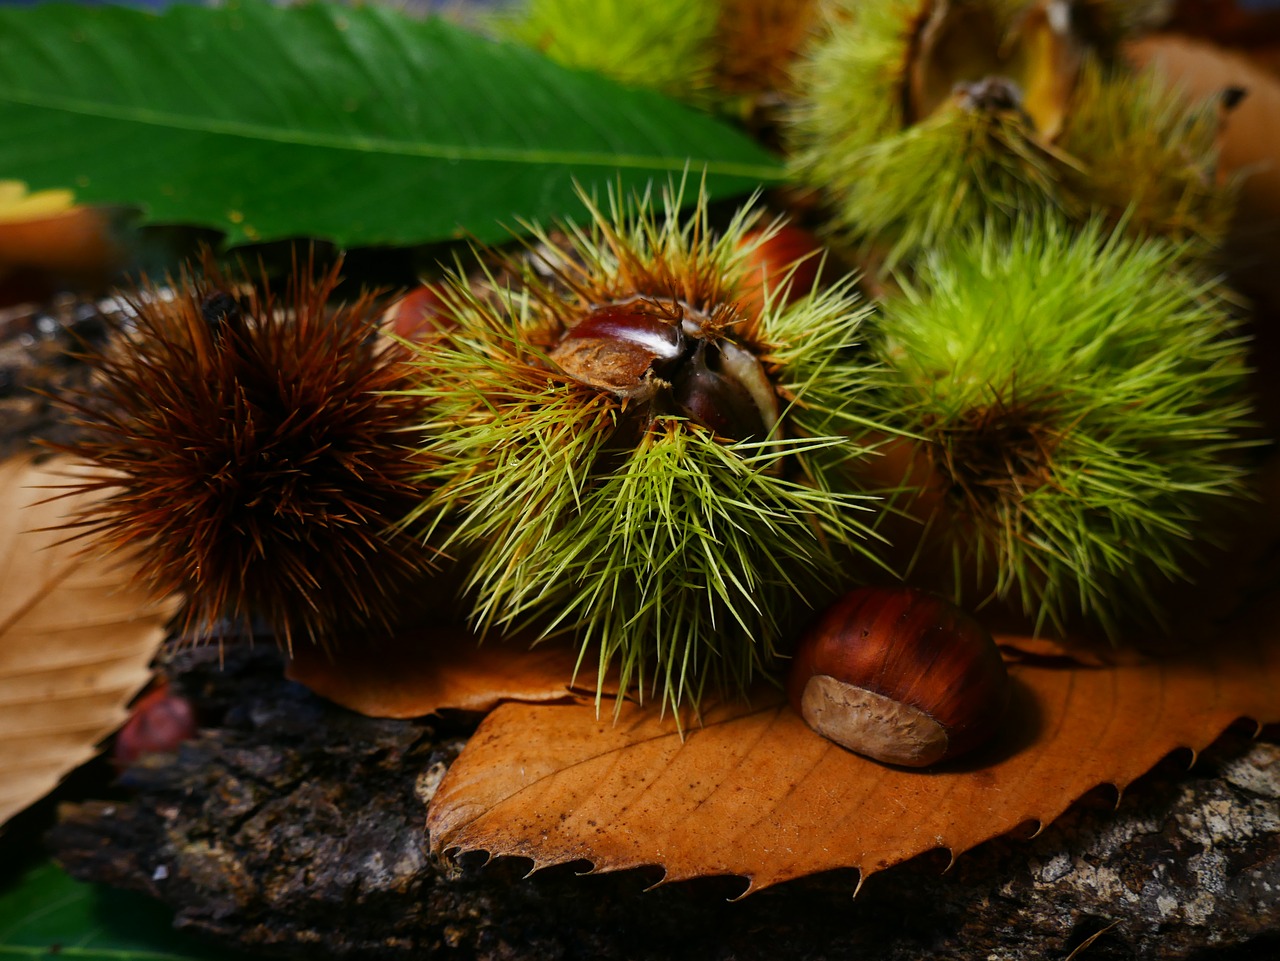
x=442 y=669
x=17 y=203
x=1021 y=648
x=1268 y=58
x=75 y=638
x=753 y=792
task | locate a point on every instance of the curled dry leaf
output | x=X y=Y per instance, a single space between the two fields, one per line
x=46 y=229
x=753 y=792
x=1016 y=648
x=75 y=638
x=426 y=672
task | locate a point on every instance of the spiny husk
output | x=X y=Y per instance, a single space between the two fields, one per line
x=1078 y=400
x=854 y=80
x=904 y=158
x=955 y=169
x=675 y=556
x=1148 y=154
x=890 y=179
x=756 y=43
x=664 y=45
x=255 y=459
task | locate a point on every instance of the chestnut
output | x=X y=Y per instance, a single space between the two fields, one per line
x=420 y=315
x=786 y=259
x=633 y=324
x=901 y=676
x=658 y=355
x=158 y=723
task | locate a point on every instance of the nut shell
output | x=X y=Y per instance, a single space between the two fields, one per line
x=422 y=314
x=787 y=260
x=157 y=724
x=901 y=676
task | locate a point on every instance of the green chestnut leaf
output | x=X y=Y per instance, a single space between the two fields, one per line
x=364 y=126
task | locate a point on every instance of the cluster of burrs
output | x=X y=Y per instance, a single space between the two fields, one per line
x=1065 y=371
x=920 y=117
x=621 y=434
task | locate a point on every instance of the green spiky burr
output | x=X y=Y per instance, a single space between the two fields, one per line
x=1147 y=157
x=665 y=45
x=631 y=458
x=918 y=117
x=1078 y=408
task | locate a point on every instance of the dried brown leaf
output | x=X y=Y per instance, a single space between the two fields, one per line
x=753 y=792
x=75 y=638
x=1021 y=648
x=430 y=671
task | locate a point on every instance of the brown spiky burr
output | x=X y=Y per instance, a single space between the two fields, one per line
x=256 y=452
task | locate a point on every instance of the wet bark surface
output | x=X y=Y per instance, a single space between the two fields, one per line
x=292 y=827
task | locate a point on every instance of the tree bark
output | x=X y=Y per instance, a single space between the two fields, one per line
x=296 y=828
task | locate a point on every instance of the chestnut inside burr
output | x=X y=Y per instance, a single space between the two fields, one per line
x=871 y=724
x=956 y=45
x=657 y=355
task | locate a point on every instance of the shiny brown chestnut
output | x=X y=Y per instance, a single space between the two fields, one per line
x=901 y=676
x=420 y=315
x=787 y=260
x=657 y=355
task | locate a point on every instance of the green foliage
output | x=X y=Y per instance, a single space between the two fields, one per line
x=48 y=914
x=1080 y=401
x=666 y=45
x=357 y=124
x=673 y=554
